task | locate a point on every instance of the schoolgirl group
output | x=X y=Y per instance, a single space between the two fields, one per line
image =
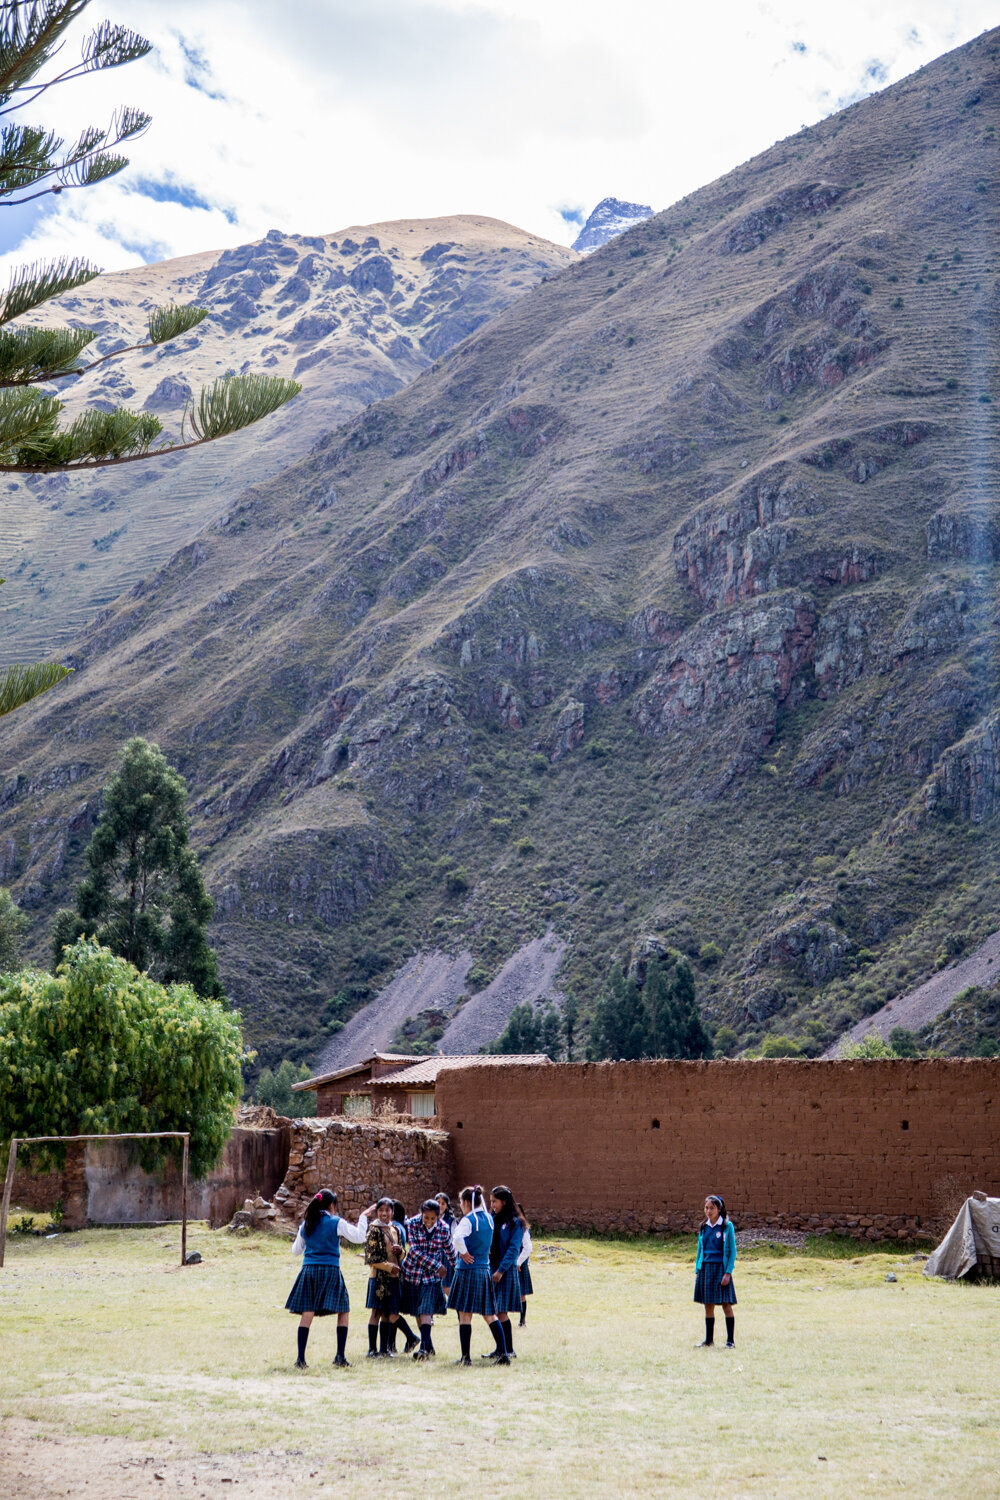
x=426 y=1265
x=430 y=1264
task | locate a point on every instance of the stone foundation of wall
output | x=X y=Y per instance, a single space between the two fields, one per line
x=362 y=1162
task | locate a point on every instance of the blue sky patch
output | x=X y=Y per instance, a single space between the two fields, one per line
x=168 y=190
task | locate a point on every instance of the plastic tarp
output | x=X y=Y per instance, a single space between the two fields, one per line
x=974 y=1234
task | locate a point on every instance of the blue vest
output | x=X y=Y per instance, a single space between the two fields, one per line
x=713 y=1239
x=479 y=1240
x=323 y=1245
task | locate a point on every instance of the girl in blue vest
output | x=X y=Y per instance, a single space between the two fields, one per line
x=472 y=1285
x=319 y=1288
x=505 y=1247
x=713 y=1267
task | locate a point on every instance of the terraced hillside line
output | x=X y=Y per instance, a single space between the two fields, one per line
x=928 y=1000
x=353 y=316
x=661 y=612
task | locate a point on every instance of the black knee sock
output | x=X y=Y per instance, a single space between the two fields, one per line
x=341 y=1341
x=524 y=1312
x=373 y=1336
x=508 y=1334
x=465 y=1339
x=709 y=1330
x=497 y=1328
x=392 y=1337
x=303 y=1340
x=425 y=1336
x=406 y=1331
x=731 y=1330
x=383 y=1337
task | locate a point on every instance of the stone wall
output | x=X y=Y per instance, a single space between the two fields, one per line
x=364 y=1161
x=874 y=1148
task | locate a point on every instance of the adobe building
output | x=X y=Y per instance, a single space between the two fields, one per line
x=407 y=1085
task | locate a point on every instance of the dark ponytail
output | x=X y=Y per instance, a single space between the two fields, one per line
x=524 y=1223
x=470 y=1195
x=318 y=1206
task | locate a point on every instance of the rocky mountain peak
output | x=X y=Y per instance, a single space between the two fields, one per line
x=611 y=217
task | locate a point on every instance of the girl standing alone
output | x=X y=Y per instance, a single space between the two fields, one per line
x=319 y=1288
x=523 y=1269
x=472 y=1287
x=713 y=1266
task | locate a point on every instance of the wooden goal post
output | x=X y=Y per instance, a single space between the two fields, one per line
x=63 y=1140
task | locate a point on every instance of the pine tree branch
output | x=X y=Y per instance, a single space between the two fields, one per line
x=28 y=41
x=19 y=684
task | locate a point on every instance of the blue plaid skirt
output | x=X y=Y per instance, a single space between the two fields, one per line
x=423 y=1299
x=472 y=1290
x=708 y=1284
x=391 y=1303
x=320 y=1290
x=525 y=1275
x=507 y=1291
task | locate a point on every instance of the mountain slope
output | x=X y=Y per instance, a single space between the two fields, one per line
x=611 y=217
x=662 y=610
x=353 y=316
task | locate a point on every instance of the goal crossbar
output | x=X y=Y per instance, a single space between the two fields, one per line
x=65 y=1140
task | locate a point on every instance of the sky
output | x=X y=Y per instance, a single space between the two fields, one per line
x=313 y=115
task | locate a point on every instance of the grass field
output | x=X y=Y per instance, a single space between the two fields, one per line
x=123 y=1375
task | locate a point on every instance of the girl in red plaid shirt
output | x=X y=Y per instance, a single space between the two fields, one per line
x=430 y=1259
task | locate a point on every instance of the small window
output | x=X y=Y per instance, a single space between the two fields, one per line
x=421 y=1105
x=357 y=1104
x=906 y=1124
x=656 y=1124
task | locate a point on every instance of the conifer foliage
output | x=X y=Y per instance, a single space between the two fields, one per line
x=34 y=162
x=144 y=897
x=659 y=1019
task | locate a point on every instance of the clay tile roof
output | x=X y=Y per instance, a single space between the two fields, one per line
x=355 y=1067
x=426 y=1069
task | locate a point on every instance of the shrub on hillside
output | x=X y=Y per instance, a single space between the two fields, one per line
x=275 y=1089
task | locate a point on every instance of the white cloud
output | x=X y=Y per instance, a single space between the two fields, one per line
x=316 y=114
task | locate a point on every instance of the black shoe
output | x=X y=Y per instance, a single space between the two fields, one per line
x=465 y=1360
x=432 y=1352
x=422 y=1354
x=502 y=1359
x=706 y=1344
x=521 y=1323
x=387 y=1354
x=372 y=1354
x=300 y=1364
x=342 y=1361
x=493 y=1354
x=411 y=1344
x=730 y=1343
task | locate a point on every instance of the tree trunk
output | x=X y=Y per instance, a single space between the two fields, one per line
x=74 y=1186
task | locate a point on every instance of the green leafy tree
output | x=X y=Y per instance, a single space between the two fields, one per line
x=871 y=1048
x=521 y=1033
x=34 y=162
x=13 y=926
x=550 y=1033
x=904 y=1042
x=144 y=897
x=275 y=1089
x=100 y=1048
x=570 y=1022
x=620 y=1028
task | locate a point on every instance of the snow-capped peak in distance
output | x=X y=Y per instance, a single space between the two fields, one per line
x=611 y=217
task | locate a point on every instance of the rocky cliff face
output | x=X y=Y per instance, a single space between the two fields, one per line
x=610 y=218
x=662 y=610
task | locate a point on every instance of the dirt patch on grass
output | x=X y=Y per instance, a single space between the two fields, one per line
x=37 y=1465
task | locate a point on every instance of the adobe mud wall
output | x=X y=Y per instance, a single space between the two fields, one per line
x=120 y=1192
x=874 y=1148
x=363 y=1162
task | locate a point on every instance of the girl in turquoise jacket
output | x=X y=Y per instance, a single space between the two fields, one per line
x=713 y=1281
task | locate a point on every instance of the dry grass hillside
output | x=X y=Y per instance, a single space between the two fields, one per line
x=354 y=316
x=661 y=610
